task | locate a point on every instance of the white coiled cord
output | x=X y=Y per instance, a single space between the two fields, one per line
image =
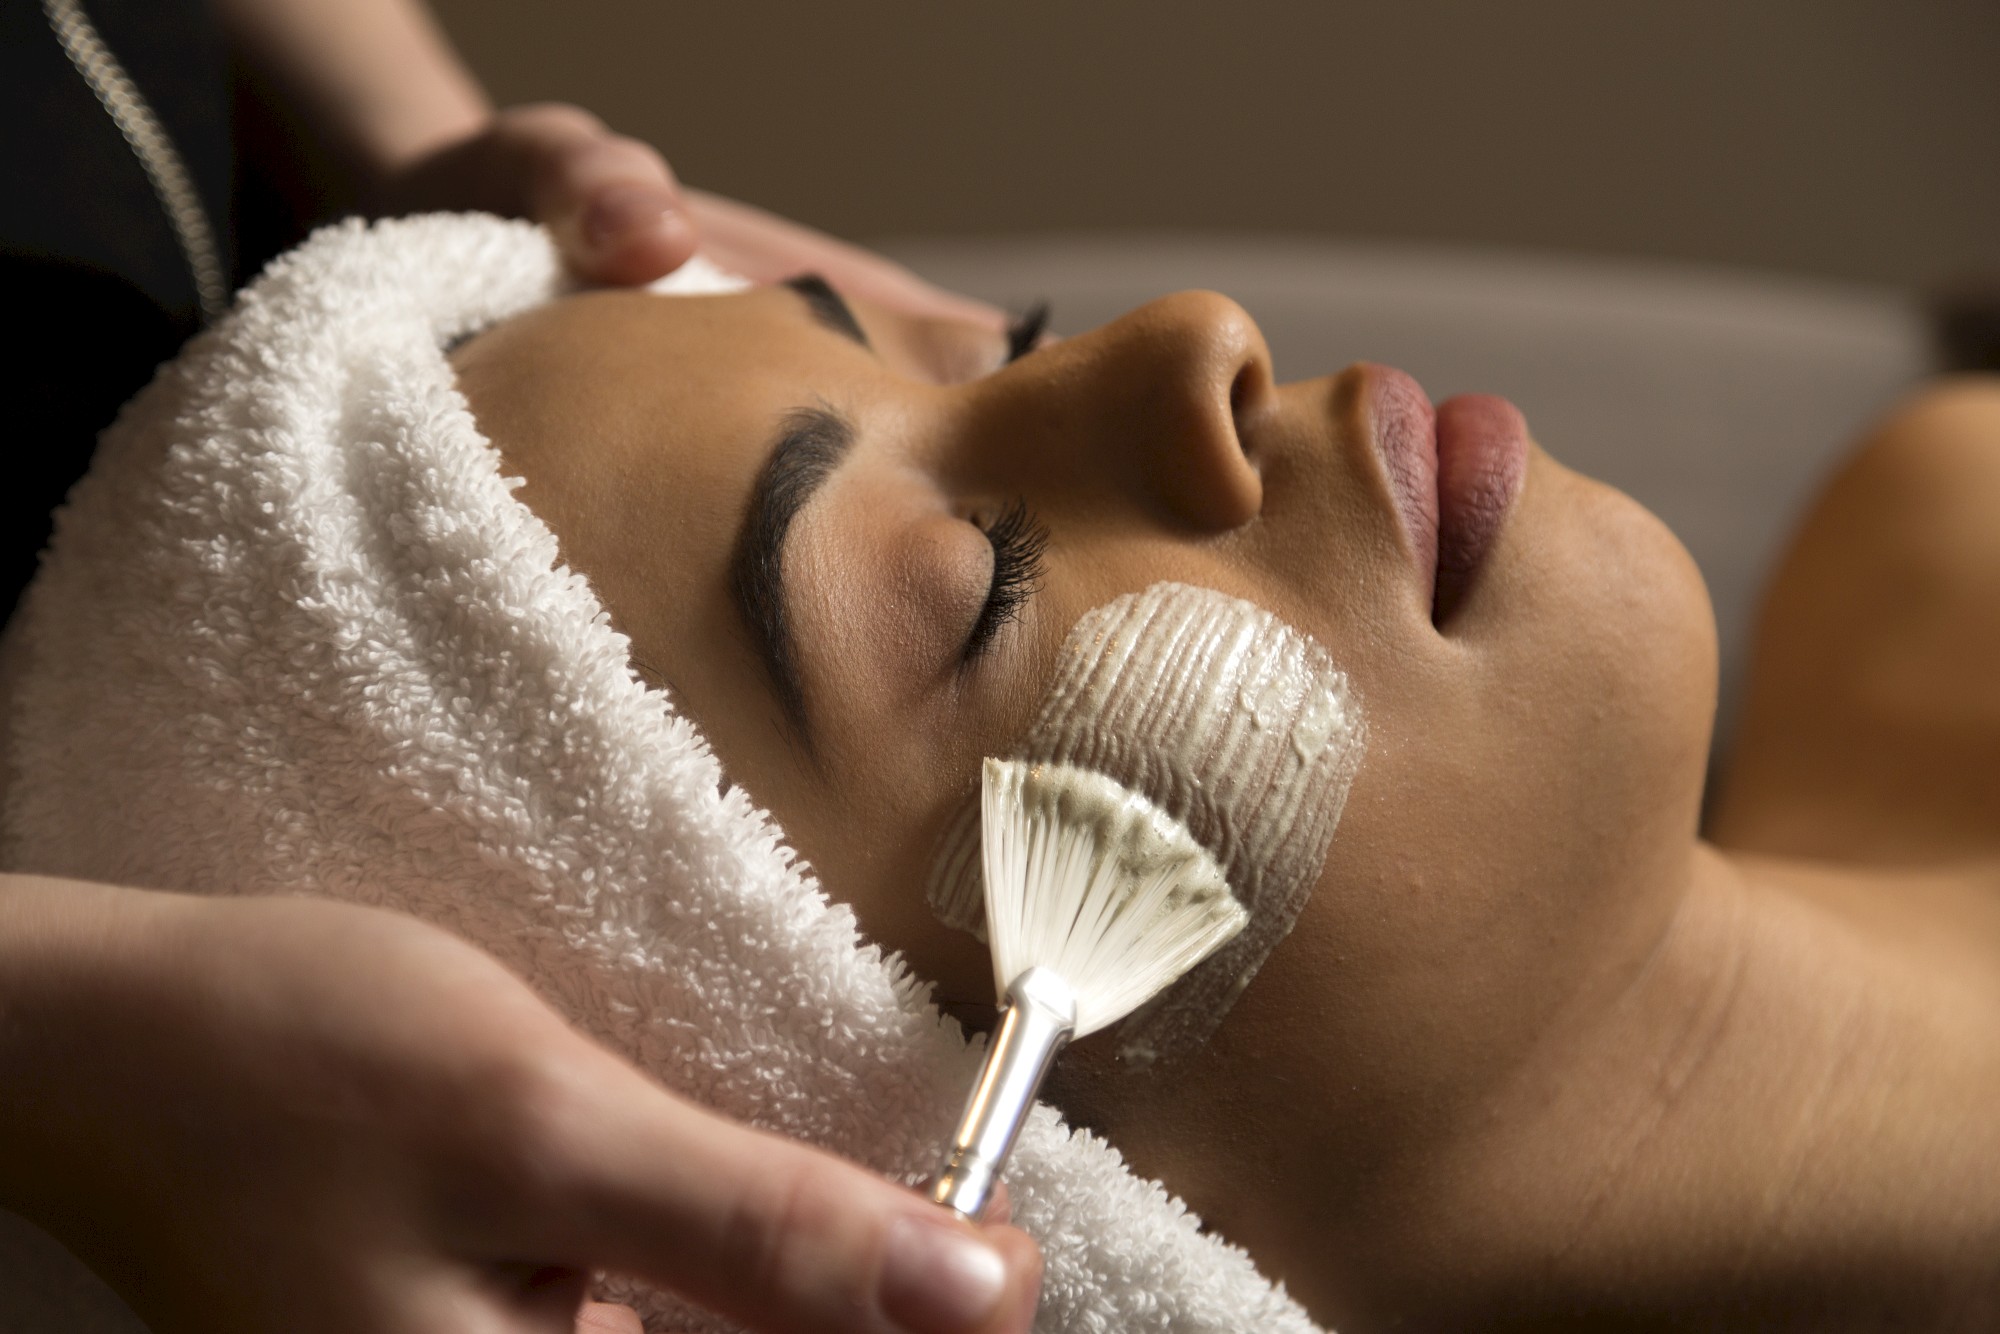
x=151 y=144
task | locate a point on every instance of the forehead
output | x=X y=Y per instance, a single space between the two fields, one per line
x=637 y=423
x=634 y=417
x=599 y=357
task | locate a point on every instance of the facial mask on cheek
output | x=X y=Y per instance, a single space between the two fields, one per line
x=1231 y=721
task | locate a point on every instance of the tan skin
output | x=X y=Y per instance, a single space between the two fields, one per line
x=1535 y=1052
x=372 y=89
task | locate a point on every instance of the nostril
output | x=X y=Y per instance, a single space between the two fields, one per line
x=1246 y=393
x=1239 y=393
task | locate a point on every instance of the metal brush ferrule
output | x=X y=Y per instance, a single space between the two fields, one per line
x=1039 y=1019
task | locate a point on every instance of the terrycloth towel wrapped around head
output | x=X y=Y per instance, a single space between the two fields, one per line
x=296 y=635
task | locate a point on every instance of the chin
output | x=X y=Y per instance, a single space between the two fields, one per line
x=1628 y=636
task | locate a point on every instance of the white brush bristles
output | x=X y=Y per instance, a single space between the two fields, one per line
x=1089 y=878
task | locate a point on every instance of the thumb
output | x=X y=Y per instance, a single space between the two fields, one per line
x=607 y=1318
x=612 y=203
x=783 y=1237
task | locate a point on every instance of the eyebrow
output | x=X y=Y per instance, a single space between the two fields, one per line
x=810 y=445
x=829 y=307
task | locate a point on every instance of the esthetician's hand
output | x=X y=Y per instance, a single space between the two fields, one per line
x=375 y=85
x=620 y=216
x=257 y=1114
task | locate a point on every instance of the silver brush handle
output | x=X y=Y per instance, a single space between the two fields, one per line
x=1039 y=1019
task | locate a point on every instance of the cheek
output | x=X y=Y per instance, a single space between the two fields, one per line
x=869 y=844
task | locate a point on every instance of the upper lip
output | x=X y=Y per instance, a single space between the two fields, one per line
x=1402 y=426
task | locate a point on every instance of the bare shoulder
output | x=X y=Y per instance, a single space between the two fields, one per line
x=1871 y=729
x=1943 y=437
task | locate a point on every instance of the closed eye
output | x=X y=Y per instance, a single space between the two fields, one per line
x=1025 y=333
x=828 y=307
x=1018 y=542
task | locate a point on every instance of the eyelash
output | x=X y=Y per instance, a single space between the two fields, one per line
x=1018 y=543
x=1025 y=332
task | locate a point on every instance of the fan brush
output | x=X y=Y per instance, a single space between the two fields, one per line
x=1096 y=901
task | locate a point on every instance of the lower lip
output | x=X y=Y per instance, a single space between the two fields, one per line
x=1455 y=470
x=1482 y=450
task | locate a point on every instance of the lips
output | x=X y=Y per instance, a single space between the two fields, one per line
x=1454 y=471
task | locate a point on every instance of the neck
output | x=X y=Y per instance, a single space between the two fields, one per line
x=1785 y=1114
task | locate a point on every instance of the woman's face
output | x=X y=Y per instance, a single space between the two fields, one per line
x=796 y=509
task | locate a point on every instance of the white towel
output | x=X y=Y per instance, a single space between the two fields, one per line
x=296 y=635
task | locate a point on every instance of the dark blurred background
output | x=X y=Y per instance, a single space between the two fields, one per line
x=1845 y=138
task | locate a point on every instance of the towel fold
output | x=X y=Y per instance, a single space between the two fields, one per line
x=296 y=635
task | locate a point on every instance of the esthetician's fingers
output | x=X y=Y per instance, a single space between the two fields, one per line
x=775 y=1234
x=765 y=247
x=611 y=202
x=607 y=1318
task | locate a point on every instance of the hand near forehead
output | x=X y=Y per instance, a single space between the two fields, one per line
x=377 y=85
x=257 y=1114
x=621 y=217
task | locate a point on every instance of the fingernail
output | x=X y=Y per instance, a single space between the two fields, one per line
x=622 y=210
x=937 y=1280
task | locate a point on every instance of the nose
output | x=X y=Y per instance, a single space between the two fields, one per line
x=1153 y=407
